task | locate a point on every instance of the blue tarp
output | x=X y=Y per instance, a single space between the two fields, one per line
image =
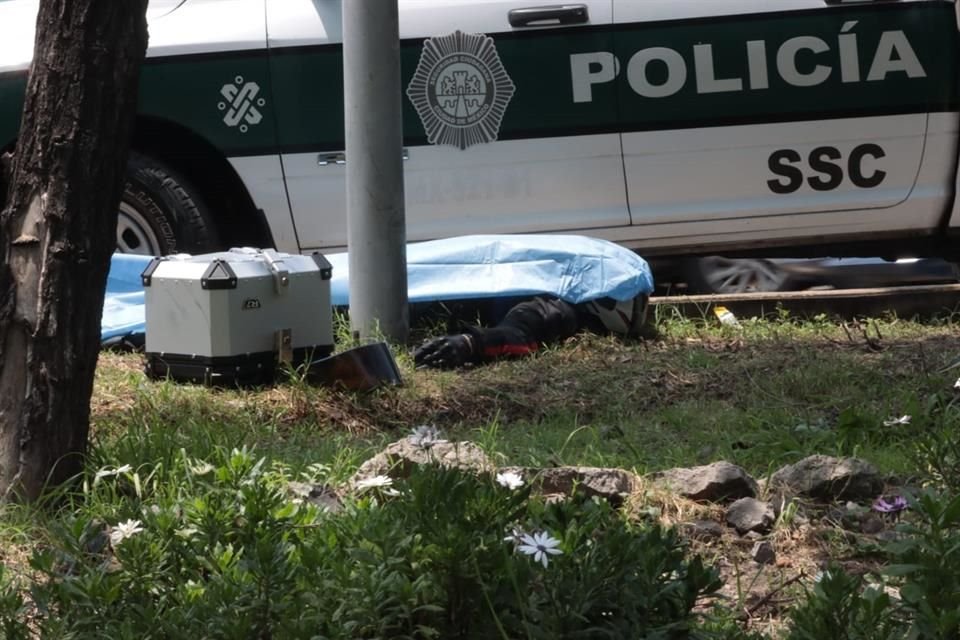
x=574 y=268
x=123 y=310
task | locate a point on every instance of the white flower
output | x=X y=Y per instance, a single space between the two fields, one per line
x=956 y=385
x=539 y=545
x=897 y=422
x=376 y=482
x=516 y=536
x=124 y=530
x=510 y=479
x=108 y=472
x=425 y=436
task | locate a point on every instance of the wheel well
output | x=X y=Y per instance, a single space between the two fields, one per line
x=238 y=221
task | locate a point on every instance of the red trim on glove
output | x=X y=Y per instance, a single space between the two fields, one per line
x=495 y=351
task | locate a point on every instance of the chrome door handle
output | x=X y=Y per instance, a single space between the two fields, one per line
x=325 y=159
x=561 y=14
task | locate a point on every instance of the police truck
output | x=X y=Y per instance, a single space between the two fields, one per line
x=678 y=128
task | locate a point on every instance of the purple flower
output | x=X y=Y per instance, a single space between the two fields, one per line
x=890 y=504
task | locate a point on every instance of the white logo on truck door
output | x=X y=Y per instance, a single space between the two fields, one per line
x=802 y=61
x=241 y=105
x=460 y=90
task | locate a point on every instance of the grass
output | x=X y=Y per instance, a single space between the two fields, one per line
x=761 y=395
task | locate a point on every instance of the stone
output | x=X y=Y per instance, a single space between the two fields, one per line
x=763 y=552
x=399 y=459
x=843 y=518
x=320 y=495
x=872 y=525
x=827 y=478
x=715 y=482
x=702 y=530
x=750 y=514
x=613 y=485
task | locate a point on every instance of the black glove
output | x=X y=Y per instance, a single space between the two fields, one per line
x=448 y=352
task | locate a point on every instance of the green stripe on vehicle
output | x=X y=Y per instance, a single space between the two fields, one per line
x=12 y=89
x=788 y=66
x=761 y=69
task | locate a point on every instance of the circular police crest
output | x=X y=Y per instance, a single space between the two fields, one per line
x=460 y=89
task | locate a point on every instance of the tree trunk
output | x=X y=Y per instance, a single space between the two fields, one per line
x=58 y=230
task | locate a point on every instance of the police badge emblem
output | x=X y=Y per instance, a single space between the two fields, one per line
x=460 y=89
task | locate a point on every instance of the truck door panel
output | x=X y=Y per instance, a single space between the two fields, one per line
x=544 y=171
x=758 y=114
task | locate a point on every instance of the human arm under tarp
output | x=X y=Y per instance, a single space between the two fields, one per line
x=529 y=325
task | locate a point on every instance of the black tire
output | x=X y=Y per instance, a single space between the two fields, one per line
x=725 y=275
x=161 y=213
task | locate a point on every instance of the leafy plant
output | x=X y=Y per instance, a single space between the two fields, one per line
x=220 y=549
x=927 y=558
x=925 y=568
x=840 y=608
x=936 y=451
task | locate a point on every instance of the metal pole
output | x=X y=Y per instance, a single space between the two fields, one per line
x=376 y=226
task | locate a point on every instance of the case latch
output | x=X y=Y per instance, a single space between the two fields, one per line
x=281 y=277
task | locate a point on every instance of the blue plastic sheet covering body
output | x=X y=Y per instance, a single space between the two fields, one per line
x=123 y=306
x=573 y=268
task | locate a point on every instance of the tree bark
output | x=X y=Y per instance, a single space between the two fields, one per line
x=58 y=231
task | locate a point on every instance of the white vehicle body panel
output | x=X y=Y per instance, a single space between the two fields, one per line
x=543 y=184
x=263 y=177
x=920 y=215
x=727 y=168
x=512 y=186
x=177 y=27
x=206 y=26
x=18 y=23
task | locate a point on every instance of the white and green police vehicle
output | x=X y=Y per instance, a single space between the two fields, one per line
x=674 y=127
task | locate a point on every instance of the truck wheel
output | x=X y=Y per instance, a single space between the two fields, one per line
x=160 y=213
x=726 y=275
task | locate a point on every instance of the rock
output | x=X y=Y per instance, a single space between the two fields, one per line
x=845 y=517
x=612 y=485
x=702 y=530
x=749 y=514
x=320 y=495
x=711 y=483
x=777 y=500
x=827 y=478
x=400 y=458
x=872 y=525
x=763 y=553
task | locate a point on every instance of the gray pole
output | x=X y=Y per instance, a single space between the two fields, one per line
x=376 y=226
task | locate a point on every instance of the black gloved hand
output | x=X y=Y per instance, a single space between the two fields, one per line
x=448 y=352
